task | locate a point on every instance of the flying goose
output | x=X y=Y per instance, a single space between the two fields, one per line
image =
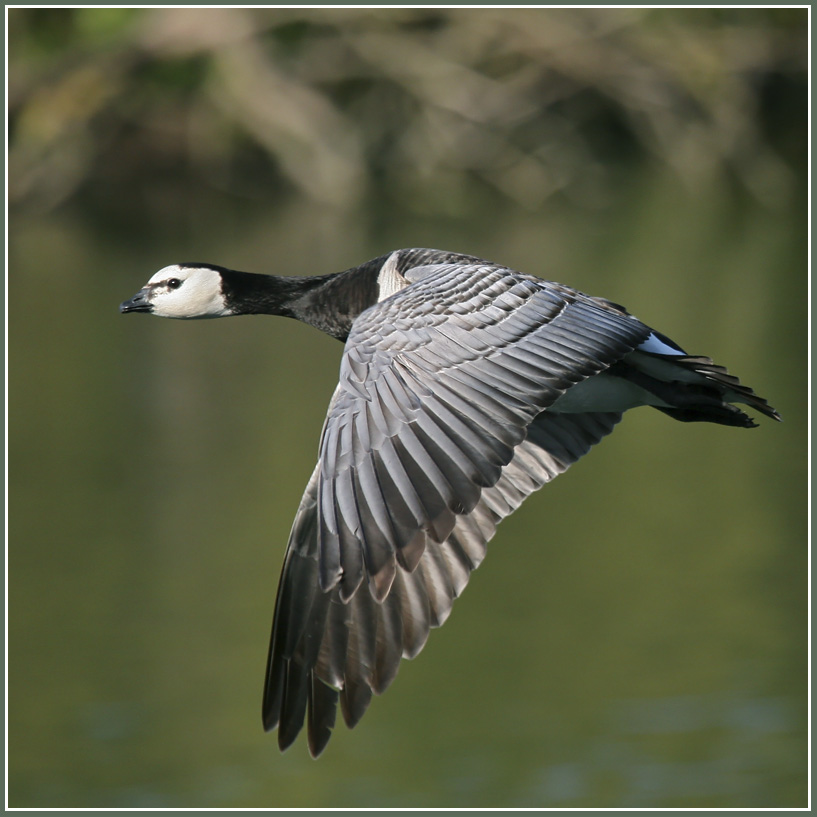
x=464 y=386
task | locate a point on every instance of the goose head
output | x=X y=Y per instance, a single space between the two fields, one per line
x=181 y=291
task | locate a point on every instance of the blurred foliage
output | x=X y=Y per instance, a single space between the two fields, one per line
x=426 y=106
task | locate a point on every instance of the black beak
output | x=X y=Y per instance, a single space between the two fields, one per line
x=138 y=303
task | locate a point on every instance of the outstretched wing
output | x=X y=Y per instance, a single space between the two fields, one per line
x=436 y=432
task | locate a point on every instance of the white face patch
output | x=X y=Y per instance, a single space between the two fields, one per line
x=186 y=292
x=390 y=280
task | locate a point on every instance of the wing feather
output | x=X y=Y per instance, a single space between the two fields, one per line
x=354 y=660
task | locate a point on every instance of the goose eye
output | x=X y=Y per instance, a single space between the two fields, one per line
x=174 y=283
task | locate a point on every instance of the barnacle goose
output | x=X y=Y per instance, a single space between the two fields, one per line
x=464 y=386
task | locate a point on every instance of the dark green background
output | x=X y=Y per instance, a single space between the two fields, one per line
x=637 y=635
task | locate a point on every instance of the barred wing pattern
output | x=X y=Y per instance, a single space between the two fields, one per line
x=436 y=432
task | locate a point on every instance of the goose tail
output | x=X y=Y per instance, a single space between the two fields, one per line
x=694 y=389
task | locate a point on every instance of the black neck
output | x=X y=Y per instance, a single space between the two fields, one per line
x=328 y=302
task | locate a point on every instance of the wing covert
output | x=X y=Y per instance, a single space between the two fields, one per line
x=432 y=403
